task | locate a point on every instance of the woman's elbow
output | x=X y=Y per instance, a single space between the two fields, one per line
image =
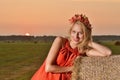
x=47 y=68
x=108 y=53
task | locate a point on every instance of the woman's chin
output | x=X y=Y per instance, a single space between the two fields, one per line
x=76 y=42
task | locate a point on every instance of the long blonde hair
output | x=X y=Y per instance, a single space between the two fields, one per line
x=83 y=46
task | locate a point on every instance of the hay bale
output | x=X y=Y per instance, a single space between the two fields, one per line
x=97 y=68
x=117 y=43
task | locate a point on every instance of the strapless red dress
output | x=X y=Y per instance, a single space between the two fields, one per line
x=65 y=57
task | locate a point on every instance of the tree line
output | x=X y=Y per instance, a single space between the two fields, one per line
x=51 y=38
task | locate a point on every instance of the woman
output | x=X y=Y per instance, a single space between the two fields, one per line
x=59 y=62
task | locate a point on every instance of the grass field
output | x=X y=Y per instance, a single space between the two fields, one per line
x=20 y=60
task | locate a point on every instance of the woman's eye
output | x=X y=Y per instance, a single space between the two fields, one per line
x=73 y=31
x=80 y=32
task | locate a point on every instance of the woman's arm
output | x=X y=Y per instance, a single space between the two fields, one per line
x=51 y=58
x=98 y=50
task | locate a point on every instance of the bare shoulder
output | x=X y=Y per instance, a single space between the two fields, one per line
x=61 y=40
x=58 y=38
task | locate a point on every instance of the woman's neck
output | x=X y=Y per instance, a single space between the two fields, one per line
x=73 y=45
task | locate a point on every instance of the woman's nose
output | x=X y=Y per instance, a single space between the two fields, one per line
x=77 y=35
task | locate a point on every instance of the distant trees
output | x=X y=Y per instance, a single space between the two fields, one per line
x=106 y=38
x=45 y=38
x=13 y=38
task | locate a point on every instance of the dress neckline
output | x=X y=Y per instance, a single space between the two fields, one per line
x=74 y=50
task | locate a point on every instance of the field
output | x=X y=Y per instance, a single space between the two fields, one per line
x=20 y=60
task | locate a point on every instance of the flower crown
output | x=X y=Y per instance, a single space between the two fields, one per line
x=82 y=18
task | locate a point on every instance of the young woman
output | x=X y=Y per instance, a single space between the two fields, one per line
x=59 y=62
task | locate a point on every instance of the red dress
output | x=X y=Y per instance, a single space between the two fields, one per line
x=65 y=57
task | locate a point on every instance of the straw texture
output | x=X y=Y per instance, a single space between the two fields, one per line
x=97 y=68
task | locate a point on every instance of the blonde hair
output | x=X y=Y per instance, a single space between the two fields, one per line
x=83 y=46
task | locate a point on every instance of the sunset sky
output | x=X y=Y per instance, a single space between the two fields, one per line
x=50 y=17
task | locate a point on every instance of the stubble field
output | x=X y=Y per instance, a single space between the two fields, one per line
x=20 y=60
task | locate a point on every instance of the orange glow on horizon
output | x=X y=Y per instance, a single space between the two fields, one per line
x=43 y=17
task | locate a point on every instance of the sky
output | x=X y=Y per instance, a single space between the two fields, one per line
x=50 y=17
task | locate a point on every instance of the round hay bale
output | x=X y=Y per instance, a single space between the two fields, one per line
x=117 y=43
x=97 y=68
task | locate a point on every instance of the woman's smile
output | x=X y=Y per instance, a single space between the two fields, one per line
x=76 y=40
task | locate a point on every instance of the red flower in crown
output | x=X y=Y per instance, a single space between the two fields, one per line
x=82 y=19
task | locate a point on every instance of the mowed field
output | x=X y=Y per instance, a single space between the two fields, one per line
x=20 y=60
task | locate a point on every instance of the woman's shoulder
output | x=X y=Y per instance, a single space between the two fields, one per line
x=61 y=39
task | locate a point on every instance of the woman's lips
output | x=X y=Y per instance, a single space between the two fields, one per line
x=76 y=40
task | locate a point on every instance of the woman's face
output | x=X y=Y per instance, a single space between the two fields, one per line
x=76 y=34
